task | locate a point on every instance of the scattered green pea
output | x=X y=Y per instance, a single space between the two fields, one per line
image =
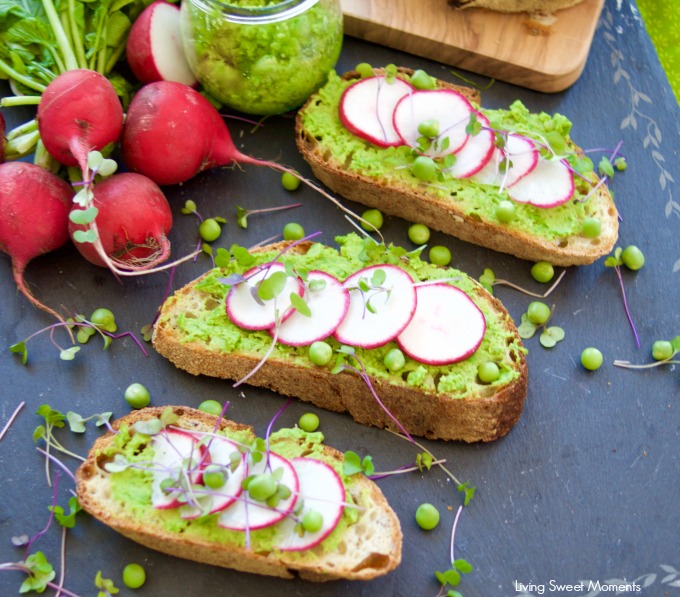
x=427 y=516
x=394 y=360
x=440 y=255
x=542 y=271
x=293 y=231
x=320 y=353
x=212 y=407
x=289 y=181
x=488 y=372
x=374 y=218
x=309 y=422
x=505 y=211
x=662 y=349
x=591 y=358
x=538 y=313
x=137 y=396
x=419 y=234
x=210 y=230
x=591 y=228
x=134 y=576
x=632 y=257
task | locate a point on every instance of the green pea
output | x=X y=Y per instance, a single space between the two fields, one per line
x=320 y=353
x=213 y=476
x=488 y=372
x=394 y=360
x=591 y=358
x=424 y=168
x=440 y=255
x=632 y=257
x=293 y=231
x=261 y=487
x=542 y=271
x=137 y=396
x=662 y=350
x=309 y=422
x=538 y=312
x=429 y=128
x=427 y=516
x=374 y=218
x=209 y=230
x=212 y=407
x=418 y=234
x=134 y=576
x=591 y=228
x=312 y=521
x=289 y=181
x=505 y=211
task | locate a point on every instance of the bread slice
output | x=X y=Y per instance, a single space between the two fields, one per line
x=380 y=178
x=367 y=543
x=439 y=402
x=530 y=6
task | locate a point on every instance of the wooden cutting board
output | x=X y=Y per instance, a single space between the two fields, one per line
x=546 y=56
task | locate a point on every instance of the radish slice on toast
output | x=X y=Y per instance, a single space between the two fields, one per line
x=449 y=108
x=322 y=491
x=550 y=184
x=447 y=326
x=328 y=301
x=246 y=513
x=175 y=453
x=476 y=153
x=507 y=166
x=251 y=313
x=377 y=312
x=366 y=109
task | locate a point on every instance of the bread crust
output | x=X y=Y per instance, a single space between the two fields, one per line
x=371 y=547
x=416 y=205
x=479 y=417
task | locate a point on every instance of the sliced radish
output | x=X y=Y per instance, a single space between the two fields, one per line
x=220 y=450
x=449 y=108
x=245 y=513
x=378 y=314
x=550 y=184
x=447 y=326
x=246 y=311
x=322 y=491
x=476 y=153
x=328 y=306
x=175 y=453
x=366 y=109
x=522 y=156
x=154 y=48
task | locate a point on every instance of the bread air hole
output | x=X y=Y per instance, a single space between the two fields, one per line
x=211 y=304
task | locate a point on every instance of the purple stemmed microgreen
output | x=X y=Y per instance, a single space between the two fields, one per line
x=53 y=420
x=242 y=213
x=424 y=461
x=615 y=261
x=668 y=350
x=488 y=280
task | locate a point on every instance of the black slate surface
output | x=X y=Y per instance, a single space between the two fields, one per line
x=584 y=488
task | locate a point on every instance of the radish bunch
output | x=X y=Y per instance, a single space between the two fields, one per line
x=433 y=323
x=437 y=125
x=202 y=474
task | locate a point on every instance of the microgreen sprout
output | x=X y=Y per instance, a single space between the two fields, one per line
x=353 y=464
x=76 y=422
x=666 y=356
x=53 y=420
x=105 y=585
x=452 y=576
x=488 y=280
x=616 y=261
x=11 y=419
x=209 y=229
x=242 y=213
x=423 y=462
x=537 y=317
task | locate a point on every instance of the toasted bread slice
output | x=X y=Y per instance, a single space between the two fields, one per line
x=439 y=402
x=365 y=544
x=380 y=178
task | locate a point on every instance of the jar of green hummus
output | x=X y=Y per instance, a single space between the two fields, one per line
x=262 y=56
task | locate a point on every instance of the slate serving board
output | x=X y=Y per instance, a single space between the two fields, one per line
x=585 y=487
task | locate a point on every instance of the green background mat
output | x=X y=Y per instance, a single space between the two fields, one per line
x=662 y=20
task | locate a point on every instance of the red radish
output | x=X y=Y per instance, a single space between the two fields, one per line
x=79 y=112
x=328 y=306
x=549 y=184
x=510 y=164
x=377 y=313
x=154 y=49
x=367 y=106
x=476 y=153
x=220 y=450
x=449 y=108
x=251 y=313
x=34 y=208
x=3 y=140
x=133 y=222
x=172 y=449
x=247 y=514
x=322 y=491
x=447 y=326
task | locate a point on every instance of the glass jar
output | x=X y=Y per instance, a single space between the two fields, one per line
x=262 y=56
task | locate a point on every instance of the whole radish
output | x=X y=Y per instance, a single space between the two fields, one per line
x=34 y=208
x=79 y=112
x=2 y=138
x=132 y=222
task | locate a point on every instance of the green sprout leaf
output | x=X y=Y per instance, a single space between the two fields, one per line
x=85 y=236
x=487 y=279
x=526 y=328
x=41 y=573
x=242 y=256
x=300 y=305
x=149 y=427
x=242 y=217
x=189 y=207
x=68 y=354
x=67 y=520
x=76 y=423
x=222 y=257
x=105 y=584
x=605 y=167
x=147 y=332
x=551 y=336
x=83 y=216
x=20 y=349
x=468 y=491
x=117 y=465
x=272 y=286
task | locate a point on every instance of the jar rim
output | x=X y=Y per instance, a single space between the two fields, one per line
x=271 y=13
